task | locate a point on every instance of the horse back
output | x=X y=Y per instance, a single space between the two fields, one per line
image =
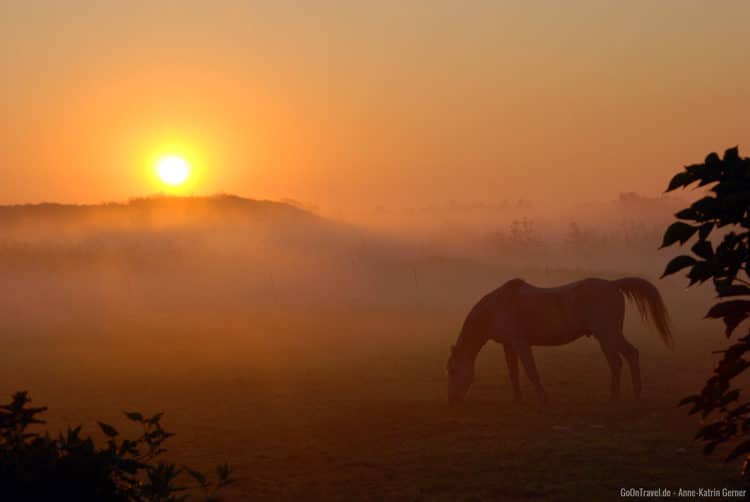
x=554 y=316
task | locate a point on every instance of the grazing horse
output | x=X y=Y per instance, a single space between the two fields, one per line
x=519 y=315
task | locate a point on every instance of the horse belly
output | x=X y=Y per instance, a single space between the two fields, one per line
x=552 y=338
x=555 y=327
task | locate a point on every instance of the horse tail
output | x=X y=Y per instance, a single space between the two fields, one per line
x=650 y=305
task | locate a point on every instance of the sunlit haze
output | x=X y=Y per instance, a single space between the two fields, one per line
x=351 y=105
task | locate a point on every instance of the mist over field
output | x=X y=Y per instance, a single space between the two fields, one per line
x=310 y=351
x=196 y=260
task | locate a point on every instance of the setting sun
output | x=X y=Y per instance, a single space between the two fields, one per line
x=173 y=170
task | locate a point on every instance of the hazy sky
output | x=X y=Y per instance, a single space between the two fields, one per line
x=354 y=103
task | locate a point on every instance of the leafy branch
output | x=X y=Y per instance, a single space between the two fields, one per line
x=725 y=260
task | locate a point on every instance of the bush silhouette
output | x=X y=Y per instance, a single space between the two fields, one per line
x=70 y=467
x=726 y=261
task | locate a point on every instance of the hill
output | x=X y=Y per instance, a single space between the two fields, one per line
x=143 y=213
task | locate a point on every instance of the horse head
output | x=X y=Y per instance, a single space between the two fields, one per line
x=460 y=376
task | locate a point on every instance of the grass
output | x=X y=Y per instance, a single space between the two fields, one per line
x=351 y=406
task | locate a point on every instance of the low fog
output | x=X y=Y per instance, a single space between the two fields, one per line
x=188 y=262
x=194 y=274
x=184 y=261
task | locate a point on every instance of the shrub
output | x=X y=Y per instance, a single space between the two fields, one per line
x=40 y=467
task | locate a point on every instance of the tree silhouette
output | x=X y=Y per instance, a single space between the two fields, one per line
x=721 y=223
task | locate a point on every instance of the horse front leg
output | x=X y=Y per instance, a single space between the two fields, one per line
x=523 y=349
x=511 y=359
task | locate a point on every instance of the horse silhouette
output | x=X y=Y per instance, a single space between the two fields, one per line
x=519 y=316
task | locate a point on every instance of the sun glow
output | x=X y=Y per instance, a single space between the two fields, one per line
x=173 y=165
x=173 y=170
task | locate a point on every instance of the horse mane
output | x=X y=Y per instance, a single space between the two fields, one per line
x=511 y=286
x=479 y=320
x=485 y=308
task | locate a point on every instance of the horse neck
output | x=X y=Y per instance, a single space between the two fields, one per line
x=469 y=343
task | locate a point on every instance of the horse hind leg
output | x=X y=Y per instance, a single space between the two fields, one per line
x=630 y=353
x=523 y=349
x=615 y=366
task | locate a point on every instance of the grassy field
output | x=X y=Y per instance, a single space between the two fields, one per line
x=350 y=405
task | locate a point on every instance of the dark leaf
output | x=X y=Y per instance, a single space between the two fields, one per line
x=730 y=397
x=198 y=476
x=733 y=290
x=108 y=429
x=223 y=471
x=703 y=249
x=732 y=321
x=704 y=230
x=733 y=312
x=710 y=447
x=726 y=308
x=682 y=179
x=678 y=263
x=700 y=272
x=741 y=449
x=688 y=214
x=688 y=400
x=712 y=159
x=732 y=154
x=678 y=232
x=155 y=419
x=134 y=416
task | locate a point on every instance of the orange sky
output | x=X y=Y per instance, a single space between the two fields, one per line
x=348 y=104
